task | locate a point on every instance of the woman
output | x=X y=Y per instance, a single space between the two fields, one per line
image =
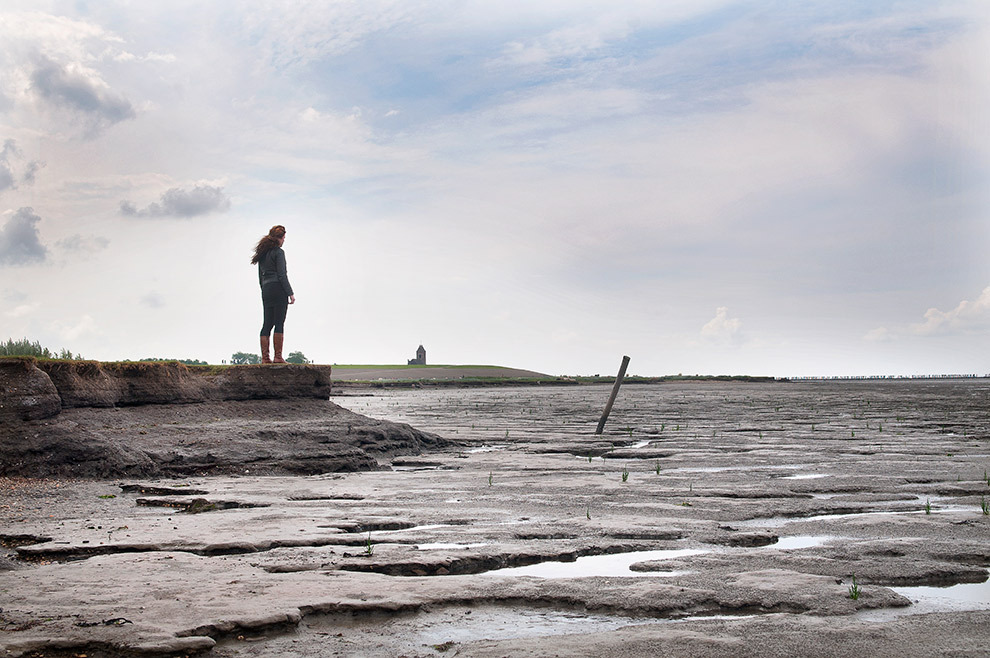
x=276 y=293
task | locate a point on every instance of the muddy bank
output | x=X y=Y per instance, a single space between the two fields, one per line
x=32 y=389
x=87 y=419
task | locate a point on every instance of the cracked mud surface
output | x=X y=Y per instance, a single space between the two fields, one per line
x=768 y=499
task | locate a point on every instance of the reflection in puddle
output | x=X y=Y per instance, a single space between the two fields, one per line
x=800 y=541
x=778 y=521
x=608 y=566
x=485 y=449
x=414 y=529
x=805 y=476
x=753 y=467
x=618 y=565
x=442 y=546
x=955 y=598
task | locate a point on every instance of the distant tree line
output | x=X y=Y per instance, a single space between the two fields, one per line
x=247 y=359
x=188 y=362
x=24 y=347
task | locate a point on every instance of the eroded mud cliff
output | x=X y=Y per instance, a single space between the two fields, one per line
x=90 y=419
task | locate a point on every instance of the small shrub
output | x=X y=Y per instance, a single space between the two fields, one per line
x=855 y=590
x=625 y=474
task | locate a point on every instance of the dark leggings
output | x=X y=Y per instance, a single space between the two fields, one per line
x=276 y=304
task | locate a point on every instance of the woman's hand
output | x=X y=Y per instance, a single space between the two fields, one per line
x=292 y=299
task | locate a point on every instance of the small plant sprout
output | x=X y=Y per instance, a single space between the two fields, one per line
x=625 y=474
x=985 y=506
x=368 y=548
x=855 y=590
x=506 y=433
x=587 y=512
x=880 y=427
x=589 y=459
x=928 y=506
x=490 y=476
x=852 y=433
x=657 y=466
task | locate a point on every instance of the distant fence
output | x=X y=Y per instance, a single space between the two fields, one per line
x=871 y=377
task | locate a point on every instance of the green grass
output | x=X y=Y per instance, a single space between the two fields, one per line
x=855 y=591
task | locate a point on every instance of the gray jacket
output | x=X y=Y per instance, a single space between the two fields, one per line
x=271 y=269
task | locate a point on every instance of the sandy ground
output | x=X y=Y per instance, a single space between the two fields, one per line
x=744 y=511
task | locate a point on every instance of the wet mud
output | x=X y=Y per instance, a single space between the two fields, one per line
x=708 y=520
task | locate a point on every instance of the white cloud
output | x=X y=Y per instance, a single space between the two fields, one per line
x=85 y=325
x=22 y=310
x=880 y=335
x=722 y=328
x=966 y=317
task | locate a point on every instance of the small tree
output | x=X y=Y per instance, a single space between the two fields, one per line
x=296 y=357
x=243 y=358
x=24 y=347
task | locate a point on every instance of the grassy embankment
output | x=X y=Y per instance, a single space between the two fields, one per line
x=385 y=375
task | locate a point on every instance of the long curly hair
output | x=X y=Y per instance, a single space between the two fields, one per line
x=268 y=243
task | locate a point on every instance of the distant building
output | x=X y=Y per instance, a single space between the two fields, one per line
x=420 y=359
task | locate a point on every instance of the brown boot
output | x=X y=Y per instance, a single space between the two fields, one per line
x=265 y=358
x=278 y=348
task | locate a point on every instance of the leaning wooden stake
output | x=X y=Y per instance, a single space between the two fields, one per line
x=615 y=392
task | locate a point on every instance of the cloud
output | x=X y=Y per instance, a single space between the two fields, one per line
x=177 y=202
x=20 y=242
x=80 y=92
x=880 y=335
x=86 y=243
x=10 y=157
x=965 y=317
x=22 y=310
x=153 y=299
x=85 y=325
x=722 y=328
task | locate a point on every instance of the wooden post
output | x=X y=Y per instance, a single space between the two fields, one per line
x=615 y=392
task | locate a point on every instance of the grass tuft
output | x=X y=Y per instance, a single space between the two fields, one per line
x=855 y=591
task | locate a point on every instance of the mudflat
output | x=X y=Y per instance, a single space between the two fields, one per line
x=711 y=519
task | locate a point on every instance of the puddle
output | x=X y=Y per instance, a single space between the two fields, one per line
x=722 y=469
x=485 y=449
x=799 y=542
x=641 y=444
x=415 y=528
x=618 y=565
x=424 y=633
x=804 y=476
x=778 y=521
x=926 y=599
x=442 y=546
x=607 y=566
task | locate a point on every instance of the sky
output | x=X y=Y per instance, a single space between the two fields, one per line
x=707 y=186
